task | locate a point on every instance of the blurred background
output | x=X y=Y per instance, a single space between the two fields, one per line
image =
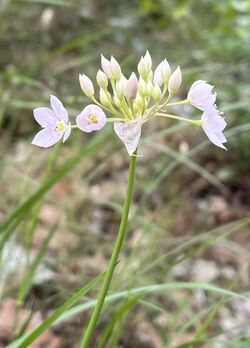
x=60 y=208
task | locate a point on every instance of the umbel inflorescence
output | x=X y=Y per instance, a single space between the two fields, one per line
x=129 y=103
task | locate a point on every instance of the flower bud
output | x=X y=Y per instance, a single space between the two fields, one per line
x=145 y=65
x=131 y=87
x=139 y=102
x=136 y=110
x=149 y=88
x=158 y=78
x=150 y=75
x=115 y=68
x=105 y=98
x=105 y=63
x=117 y=101
x=165 y=70
x=162 y=73
x=142 y=68
x=102 y=79
x=142 y=87
x=148 y=60
x=157 y=93
x=86 y=85
x=175 y=81
x=121 y=86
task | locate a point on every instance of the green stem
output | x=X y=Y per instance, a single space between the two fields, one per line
x=114 y=258
x=194 y=122
x=111 y=110
x=183 y=102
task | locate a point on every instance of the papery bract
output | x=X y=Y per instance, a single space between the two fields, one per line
x=129 y=133
x=55 y=124
x=200 y=95
x=213 y=125
x=92 y=118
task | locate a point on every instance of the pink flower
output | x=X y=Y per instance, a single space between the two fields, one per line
x=129 y=133
x=213 y=125
x=55 y=123
x=92 y=118
x=200 y=95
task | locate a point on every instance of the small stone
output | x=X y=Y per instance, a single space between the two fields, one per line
x=205 y=271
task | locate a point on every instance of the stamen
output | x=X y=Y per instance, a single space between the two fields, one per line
x=60 y=126
x=93 y=119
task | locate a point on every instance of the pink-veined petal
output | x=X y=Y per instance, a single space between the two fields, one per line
x=47 y=137
x=45 y=117
x=213 y=125
x=59 y=109
x=216 y=139
x=129 y=133
x=66 y=133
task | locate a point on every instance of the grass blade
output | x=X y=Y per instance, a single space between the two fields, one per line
x=26 y=340
x=27 y=281
x=150 y=289
x=18 y=215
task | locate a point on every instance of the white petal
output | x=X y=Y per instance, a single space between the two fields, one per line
x=200 y=95
x=129 y=133
x=66 y=133
x=59 y=109
x=46 y=138
x=216 y=138
x=45 y=117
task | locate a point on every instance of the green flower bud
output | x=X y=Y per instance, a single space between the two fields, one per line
x=157 y=95
x=117 y=101
x=142 y=87
x=149 y=88
x=105 y=98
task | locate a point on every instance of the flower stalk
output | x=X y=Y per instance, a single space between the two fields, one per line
x=114 y=257
x=178 y=118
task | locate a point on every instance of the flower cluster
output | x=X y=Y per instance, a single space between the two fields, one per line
x=129 y=103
